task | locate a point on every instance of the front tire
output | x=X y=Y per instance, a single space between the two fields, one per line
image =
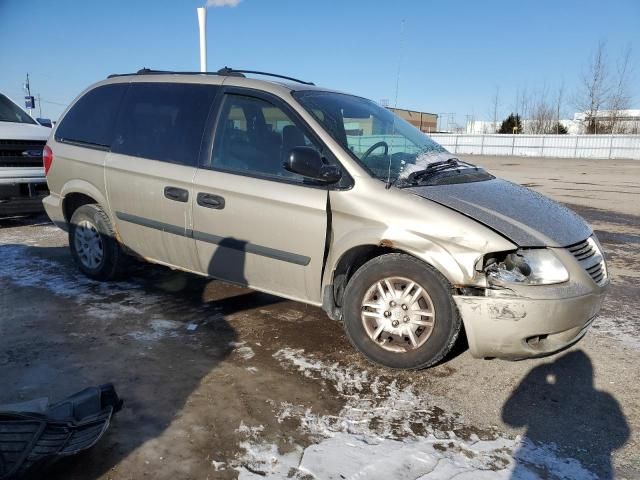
x=93 y=244
x=399 y=312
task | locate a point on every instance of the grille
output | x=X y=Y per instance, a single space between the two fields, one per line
x=583 y=250
x=15 y=437
x=590 y=257
x=11 y=153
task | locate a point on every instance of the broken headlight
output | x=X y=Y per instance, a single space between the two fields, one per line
x=538 y=266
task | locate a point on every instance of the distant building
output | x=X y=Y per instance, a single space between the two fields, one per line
x=481 y=126
x=427 y=122
x=608 y=121
x=623 y=121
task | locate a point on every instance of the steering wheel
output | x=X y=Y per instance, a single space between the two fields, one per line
x=375 y=146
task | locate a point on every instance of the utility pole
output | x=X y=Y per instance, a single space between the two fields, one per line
x=496 y=99
x=469 y=126
x=448 y=120
x=39 y=106
x=29 y=99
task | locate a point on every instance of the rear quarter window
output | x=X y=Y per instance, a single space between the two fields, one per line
x=163 y=121
x=91 y=119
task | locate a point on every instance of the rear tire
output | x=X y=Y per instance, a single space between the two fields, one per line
x=93 y=244
x=398 y=311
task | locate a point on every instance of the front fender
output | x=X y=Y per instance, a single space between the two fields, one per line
x=370 y=214
x=419 y=246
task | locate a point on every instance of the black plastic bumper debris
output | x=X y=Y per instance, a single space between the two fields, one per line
x=34 y=433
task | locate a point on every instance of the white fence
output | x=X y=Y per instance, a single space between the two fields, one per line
x=569 y=146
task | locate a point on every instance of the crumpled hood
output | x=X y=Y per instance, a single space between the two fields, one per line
x=522 y=215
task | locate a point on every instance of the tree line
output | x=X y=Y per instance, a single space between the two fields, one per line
x=602 y=94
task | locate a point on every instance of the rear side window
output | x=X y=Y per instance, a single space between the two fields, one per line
x=163 y=121
x=91 y=119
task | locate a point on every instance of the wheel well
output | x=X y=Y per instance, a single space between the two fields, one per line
x=72 y=202
x=350 y=262
x=347 y=266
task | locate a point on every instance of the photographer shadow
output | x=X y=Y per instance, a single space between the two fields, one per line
x=560 y=408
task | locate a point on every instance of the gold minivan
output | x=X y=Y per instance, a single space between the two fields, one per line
x=324 y=198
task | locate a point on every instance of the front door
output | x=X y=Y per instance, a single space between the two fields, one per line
x=255 y=223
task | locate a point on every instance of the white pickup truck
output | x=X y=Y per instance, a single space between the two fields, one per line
x=22 y=181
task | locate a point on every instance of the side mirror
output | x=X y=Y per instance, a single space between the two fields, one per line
x=306 y=161
x=45 y=122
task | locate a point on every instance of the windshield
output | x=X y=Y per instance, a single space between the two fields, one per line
x=388 y=146
x=10 y=112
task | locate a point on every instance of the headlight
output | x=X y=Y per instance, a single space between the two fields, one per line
x=529 y=266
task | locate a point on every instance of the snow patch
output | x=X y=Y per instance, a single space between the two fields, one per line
x=25 y=270
x=104 y=301
x=622 y=328
x=242 y=350
x=245 y=353
x=344 y=379
x=159 y=329
x=387 y=430
x=265 y=461
x=424 y=458
x=249 y=431
x=19 y=237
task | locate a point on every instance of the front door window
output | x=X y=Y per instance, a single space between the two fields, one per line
x=255 y=137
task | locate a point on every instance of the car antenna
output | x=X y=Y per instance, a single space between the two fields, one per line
x=395 y=103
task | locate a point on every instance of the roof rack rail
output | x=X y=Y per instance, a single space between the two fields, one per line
x=226 y=71
x=149 y=71
x=234 y=72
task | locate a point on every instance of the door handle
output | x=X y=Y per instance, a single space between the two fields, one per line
x=176 y=194
x=209 y=200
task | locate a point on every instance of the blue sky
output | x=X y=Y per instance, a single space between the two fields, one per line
x=452 y=55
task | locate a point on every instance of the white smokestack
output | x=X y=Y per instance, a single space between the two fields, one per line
x=202 y=23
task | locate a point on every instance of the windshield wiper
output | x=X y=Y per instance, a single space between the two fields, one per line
x=432 y=169
x=429 y=170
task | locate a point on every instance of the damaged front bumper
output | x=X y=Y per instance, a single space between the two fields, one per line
x=33 y=434
x=508 y=325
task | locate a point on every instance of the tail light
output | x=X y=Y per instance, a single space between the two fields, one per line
x=47 y=158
